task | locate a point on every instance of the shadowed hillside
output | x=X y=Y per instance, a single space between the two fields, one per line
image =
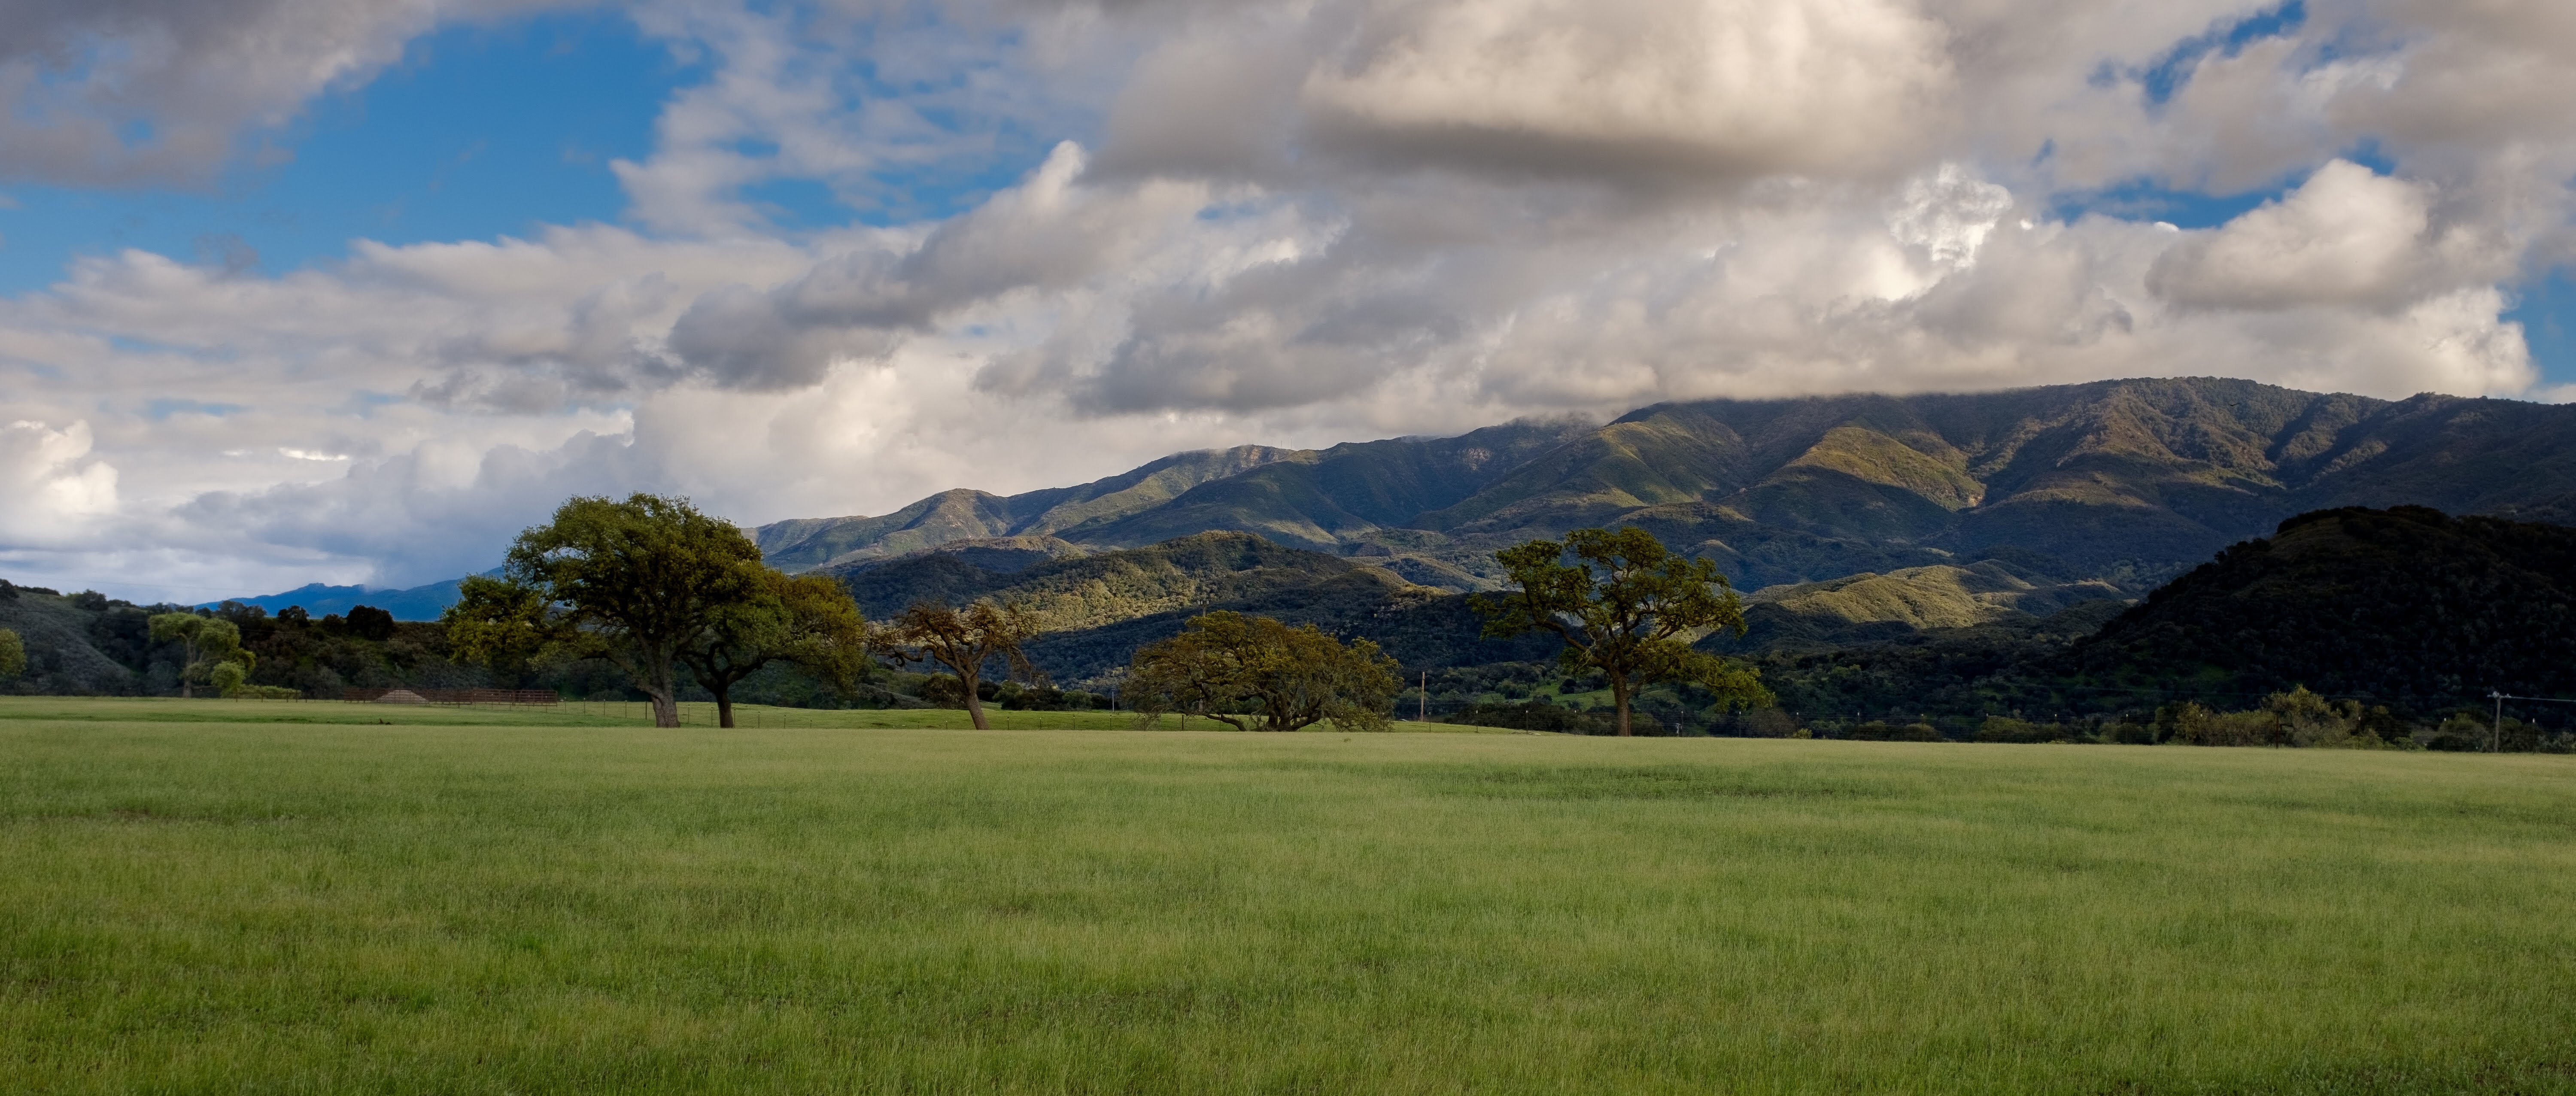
x=1087 y=591
x=2404 y=607
x=2407 y=606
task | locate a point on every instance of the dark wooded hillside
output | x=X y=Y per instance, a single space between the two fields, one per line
x=2406 y=606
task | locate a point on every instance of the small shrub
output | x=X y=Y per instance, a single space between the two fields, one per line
x=1045 y=698
x=2255 y=728
x=1533 y=715
x=2007 y=729
x=2306 y=719
x=1768 y=723
x=1882 y=731
x=2130 y=733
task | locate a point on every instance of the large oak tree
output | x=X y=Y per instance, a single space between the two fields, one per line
x=1627 y=608
x=808 y=620
x=636 y=582
x=964 y=641
x=1259 y=674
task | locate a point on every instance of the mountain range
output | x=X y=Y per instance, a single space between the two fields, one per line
x=416 y=603
x=2119 y=484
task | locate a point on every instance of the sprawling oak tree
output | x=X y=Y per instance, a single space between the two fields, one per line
x=964 y=641
x=636 y=582
x=1627 y=608
x=1259 y=674
x=808 y=620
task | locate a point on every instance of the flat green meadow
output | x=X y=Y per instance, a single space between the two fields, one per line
x=203 y=897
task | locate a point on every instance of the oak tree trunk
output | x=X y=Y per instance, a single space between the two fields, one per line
x=972 y=683
x=660 y=685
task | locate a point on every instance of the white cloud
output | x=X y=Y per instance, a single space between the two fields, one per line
x=51 y=489
x=2347 y=236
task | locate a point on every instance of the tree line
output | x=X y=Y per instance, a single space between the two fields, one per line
x=657 y=588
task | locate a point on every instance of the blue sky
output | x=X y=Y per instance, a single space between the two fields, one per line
x=479 y=132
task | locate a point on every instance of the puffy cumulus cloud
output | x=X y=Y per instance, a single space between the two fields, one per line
x=123 y=91
x=1948 y=214
x=51 y=489
x=2346 y=236
x=1306 y=221
x=571 y=317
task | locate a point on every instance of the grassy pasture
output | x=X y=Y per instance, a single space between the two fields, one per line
x=197 y=905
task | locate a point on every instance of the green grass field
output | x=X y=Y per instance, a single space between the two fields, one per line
x=464 y=902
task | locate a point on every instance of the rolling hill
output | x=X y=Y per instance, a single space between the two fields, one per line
x=1098 y=608
x=2405 y=606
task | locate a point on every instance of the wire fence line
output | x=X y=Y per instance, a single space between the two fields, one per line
x=2549 y=716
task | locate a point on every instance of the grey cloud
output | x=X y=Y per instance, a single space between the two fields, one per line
x=1628 y=93
x=1637 y=90
x=591 y=353
x=1050 y=232
x=766 y=342
x=414 y=525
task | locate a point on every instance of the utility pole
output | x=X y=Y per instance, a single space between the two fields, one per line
x=2495 y=732
x=1425 y=698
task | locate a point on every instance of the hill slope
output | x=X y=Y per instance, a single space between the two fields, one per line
x=2404 y=607
x=1097 y=609
x=2407 y=606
